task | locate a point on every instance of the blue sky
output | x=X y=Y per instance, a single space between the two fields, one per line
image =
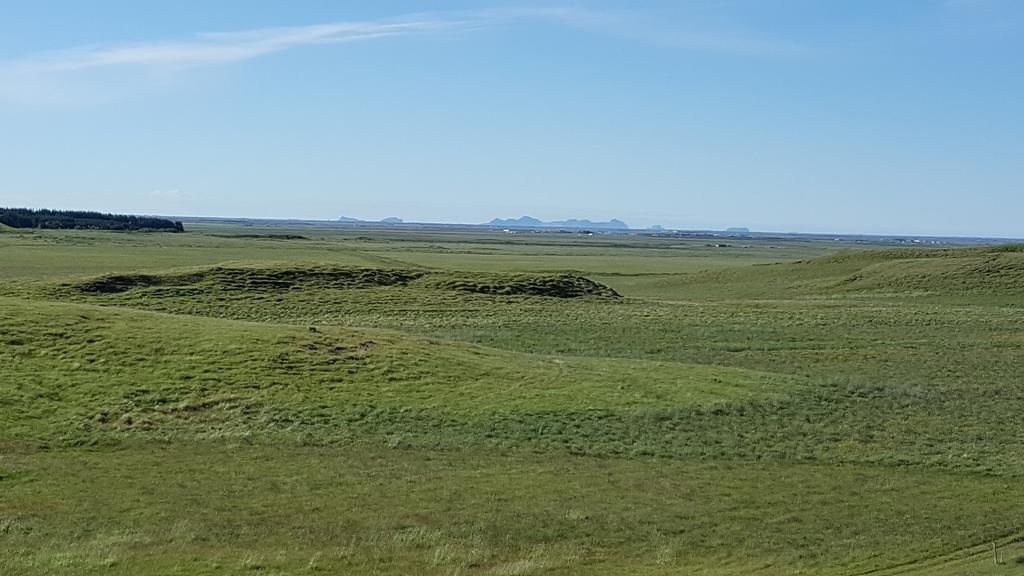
x=818 y=116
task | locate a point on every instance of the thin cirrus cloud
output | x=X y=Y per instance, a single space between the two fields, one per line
x=81 y=72
x=223 y=47
x=94 y=74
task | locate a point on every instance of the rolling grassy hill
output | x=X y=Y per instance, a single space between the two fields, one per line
x=849 y=414
x=91 y=374
x=984 y=271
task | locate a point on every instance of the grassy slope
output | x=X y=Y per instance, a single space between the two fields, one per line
x=962 y=272
x=83 y=374
x=822 y=429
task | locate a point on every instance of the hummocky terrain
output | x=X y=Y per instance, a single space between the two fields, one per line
x=239 y=400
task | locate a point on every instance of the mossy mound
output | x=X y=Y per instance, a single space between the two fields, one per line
x=550 y=285
x=255 y=279
x=261 y=279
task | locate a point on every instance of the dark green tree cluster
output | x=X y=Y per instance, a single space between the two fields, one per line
x=80 y=220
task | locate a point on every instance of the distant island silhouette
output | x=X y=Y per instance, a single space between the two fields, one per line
x=522 y=222
x=531 y=222
x=389 y=220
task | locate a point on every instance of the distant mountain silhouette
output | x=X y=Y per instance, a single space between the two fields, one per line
x=738 y=230
x=531 y=222
x=389 y=220
x=524 y=222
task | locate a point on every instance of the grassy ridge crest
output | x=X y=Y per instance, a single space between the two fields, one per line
x=983 y=270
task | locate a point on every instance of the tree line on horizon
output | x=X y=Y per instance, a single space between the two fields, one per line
x=83 y=220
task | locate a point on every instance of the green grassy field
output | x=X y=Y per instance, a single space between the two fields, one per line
x=235 y=401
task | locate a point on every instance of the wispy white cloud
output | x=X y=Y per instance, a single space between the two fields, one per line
x=222 y=47
x=89 y=74
x=82 y=71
